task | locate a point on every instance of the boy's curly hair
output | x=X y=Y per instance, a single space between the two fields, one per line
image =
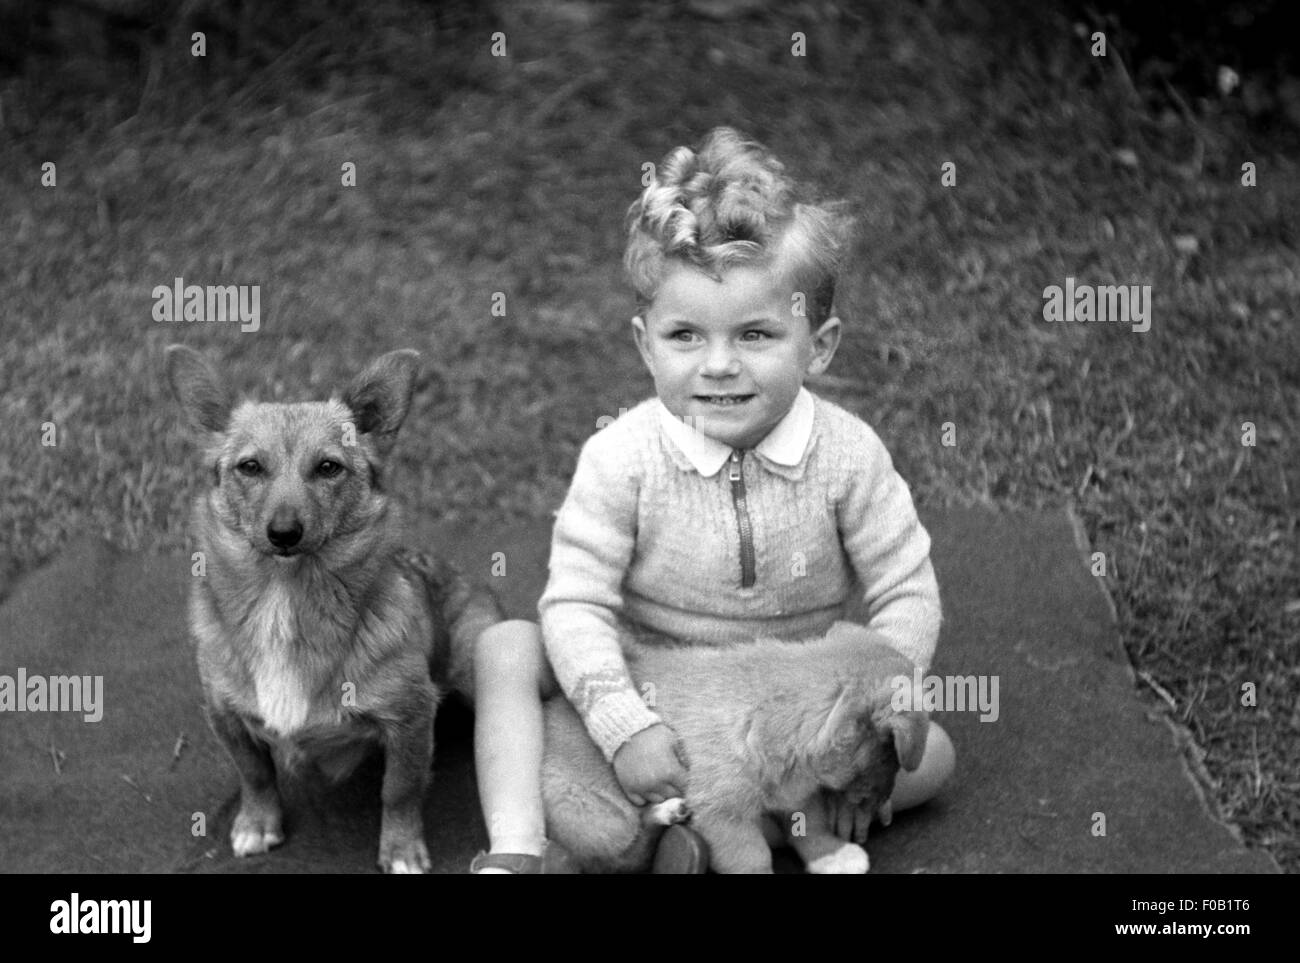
x=729 y=202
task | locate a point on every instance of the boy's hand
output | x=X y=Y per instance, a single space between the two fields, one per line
x=651 y=766
x=849 y=821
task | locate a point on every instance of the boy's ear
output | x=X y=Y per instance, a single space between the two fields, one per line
x=642 y=339
x=380 y=396
x=825 y=340
x=205 y=398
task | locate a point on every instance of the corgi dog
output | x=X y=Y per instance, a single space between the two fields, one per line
x=319 y=636
x=768 y=729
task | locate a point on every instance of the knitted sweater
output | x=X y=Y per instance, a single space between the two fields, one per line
x=657 y=536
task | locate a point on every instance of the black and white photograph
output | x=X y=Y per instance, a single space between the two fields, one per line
x=651 y=437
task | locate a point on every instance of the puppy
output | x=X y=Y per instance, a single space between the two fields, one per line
x=767 y=728
x=319 y=636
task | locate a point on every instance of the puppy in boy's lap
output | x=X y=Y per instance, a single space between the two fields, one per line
x=765 y=728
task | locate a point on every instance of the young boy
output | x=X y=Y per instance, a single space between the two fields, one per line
x=733 y=505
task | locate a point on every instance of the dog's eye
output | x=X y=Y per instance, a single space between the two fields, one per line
x=328 y=469
x=250 y=467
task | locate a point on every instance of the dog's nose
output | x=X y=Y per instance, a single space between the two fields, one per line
x=284 y=534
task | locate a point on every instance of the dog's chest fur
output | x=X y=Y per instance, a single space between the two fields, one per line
x=263 y=656
x=282 y=690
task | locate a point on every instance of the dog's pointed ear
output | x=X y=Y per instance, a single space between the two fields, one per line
x=380 y=396
x=909 y=731
x=843 y=715
x=204 y=396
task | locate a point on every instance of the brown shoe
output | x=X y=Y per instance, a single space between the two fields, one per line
x=555 y=861
x=515 y=863
x=682 y=852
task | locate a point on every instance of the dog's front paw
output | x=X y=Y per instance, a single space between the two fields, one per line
x=849 y=860
x=404 y=856
x=255 y=832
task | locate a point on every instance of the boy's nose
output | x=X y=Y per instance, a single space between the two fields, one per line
x=720 y=362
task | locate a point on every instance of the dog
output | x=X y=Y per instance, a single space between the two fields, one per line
x=319 y=636
x=768 y=729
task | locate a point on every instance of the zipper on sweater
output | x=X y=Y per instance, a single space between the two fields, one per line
x=737 y=477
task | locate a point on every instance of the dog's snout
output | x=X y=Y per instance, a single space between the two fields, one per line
x=285 y=530
x=286 y=537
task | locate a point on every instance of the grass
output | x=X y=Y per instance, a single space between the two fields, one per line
x=478 y=175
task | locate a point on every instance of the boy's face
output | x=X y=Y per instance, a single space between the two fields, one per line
x=730 y=356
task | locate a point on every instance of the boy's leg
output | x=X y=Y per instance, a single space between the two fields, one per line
x=511 y=678
x=588 y=814
x=923 y=783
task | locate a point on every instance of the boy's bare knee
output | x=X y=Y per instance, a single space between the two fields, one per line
x=936 y=769
x=938 y=742
x=512 y=631
x=513 y=650
x=514 y=646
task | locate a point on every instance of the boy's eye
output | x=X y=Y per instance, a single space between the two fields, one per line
x=754 y=334
x=249 y=467
x=683 y=335
x=328 y=469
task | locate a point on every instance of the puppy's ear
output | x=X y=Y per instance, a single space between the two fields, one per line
x=909 y=733
x=846 y=727
x=380 y=396
x=843 y=715
x=204 y=396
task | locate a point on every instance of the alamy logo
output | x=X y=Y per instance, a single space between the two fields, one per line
x=213 y=303
x=1119 y=303
x=951 y=693
x=56 y=693
x=75 y=915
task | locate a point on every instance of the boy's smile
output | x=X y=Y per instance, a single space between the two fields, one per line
x=730 y=356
